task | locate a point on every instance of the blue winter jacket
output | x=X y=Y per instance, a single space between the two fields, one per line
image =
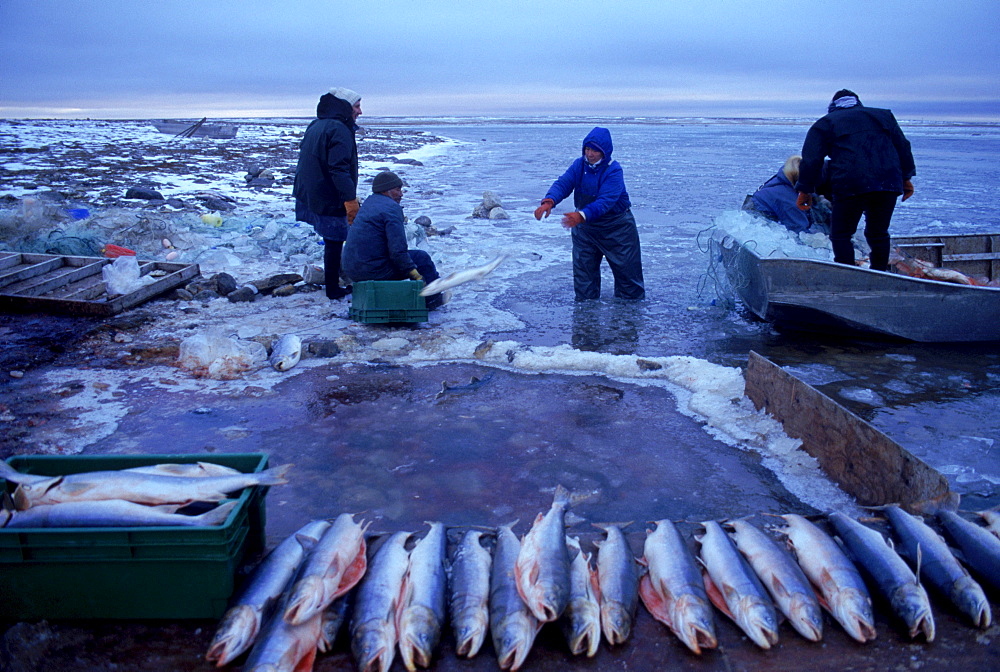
x=327 y=172
x=376 y=243
x=598 y=191
x=775 y=199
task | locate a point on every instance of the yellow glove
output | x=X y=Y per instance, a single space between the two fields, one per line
x=415 y=275
x=352 y=208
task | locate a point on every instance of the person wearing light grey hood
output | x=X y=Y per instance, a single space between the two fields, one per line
x=326 y=178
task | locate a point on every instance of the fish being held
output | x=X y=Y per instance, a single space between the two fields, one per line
x=112 y=513
x=672 y=588
x=469 y=594
x=244 y=619
x=373 y=626
x=461 y=277
x=782 y=577
x=512 y=626
x=139 y=487
x=734 y=588
x=333 y=567
x=930 y=554
x=841 y=586
x=581 y=622
x=542 y=569
x=421 y=611
x=889 y=572
x=286 y=352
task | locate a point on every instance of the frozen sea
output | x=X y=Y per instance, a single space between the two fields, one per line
x=685 y=177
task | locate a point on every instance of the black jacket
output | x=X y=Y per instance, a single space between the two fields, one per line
x=867 y=149
x=327 y=172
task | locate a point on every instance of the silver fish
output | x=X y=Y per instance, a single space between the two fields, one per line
x=373 y=626
x=286 y=352
x=735 y=589
x=581 y=622
x=283 y=647
x=673 y=590
x=836 y=577
x=113 y=513
x=512 y=625
x=542 y=569
x=782 y=577
x=925 y=549
x=992 y=518
x=195 y=469
x=461 y=277
x=244 y=619
x=618 y=578
x=421 y=614
x=333 y=567
x=889 y=572
x=469 y=594
x=334 y=618
x=140 y=488
x=980 y=549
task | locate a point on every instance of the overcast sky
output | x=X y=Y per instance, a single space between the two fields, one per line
x=219 y=58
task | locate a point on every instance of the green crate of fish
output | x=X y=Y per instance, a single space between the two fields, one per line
x=130 y=571
x=379 y=301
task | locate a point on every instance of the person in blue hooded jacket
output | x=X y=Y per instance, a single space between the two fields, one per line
x=326 y=178
x=602 y=223
x=870 y=165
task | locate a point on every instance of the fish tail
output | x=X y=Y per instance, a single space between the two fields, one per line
x=218 y=515
x=274 y=475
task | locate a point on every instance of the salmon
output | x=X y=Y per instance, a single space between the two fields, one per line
x=469 y=594
x=335 y=565
x=373 y=626
x=618 y=579
x=673 y=590
x=581 y=622
x=542 y=569
x=421 y=615
x=512 y=625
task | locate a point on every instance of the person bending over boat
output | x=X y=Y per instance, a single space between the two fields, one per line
x=775 y=200
x=602 y=223
x=326 y=178
x=870 y=166
x=376 y=242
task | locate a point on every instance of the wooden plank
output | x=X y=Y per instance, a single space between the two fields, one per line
x=975 y=256
x=863 y=461
x=58 y=278
x=31 y=270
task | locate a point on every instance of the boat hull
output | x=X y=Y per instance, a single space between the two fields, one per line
x=822 y=296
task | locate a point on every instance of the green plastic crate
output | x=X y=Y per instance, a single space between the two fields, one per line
x=377 y=301
x=170 y=572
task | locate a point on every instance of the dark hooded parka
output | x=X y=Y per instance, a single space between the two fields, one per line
x=608 y=230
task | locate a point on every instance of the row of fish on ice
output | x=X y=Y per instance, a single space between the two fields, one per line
x=141 y=496
x=403 y=598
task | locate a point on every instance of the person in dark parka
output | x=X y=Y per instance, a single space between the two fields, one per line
x=602 y=223
x=870 y=166
x=376 y=242
x=326 y=178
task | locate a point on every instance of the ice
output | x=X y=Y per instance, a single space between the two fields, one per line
x=862 y=396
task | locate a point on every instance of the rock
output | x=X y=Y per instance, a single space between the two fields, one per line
x=224 y=283
x=182 y=294
x=443 y=232
x=261 y=182
x=323 y=348
x=491 y=200
x=218 y=204
x=481 y=212
x=269 y=284
x=145 y=193
x=284 y=290
x=206 y=295
x=409 y=162
x=245 y=293
x=499 y=213
x=424 y=221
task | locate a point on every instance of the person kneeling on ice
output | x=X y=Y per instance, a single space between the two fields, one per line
x=376 y=242
x=776 y=200
x=602 y=224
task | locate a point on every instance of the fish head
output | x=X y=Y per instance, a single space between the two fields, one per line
x=910 y=603
x=237 y=630
x=853 y=610
x=806 y=617
x=759 y=622
x=616 y=622
x=469 y=637
x=553 y=603
x=306 y=600
x=419 y=634
x=581 y=625
x=512 y=645
x=968 y=596
x=373 y=647
x=693 y=623
x=27 y=494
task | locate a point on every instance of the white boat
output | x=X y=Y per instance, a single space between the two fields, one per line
x=798 y=294
x=198 y=129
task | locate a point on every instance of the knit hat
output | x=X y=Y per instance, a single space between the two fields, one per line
x=385 y=181
x=346 y=94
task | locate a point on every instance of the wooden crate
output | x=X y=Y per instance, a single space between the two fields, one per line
x=67 y=285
